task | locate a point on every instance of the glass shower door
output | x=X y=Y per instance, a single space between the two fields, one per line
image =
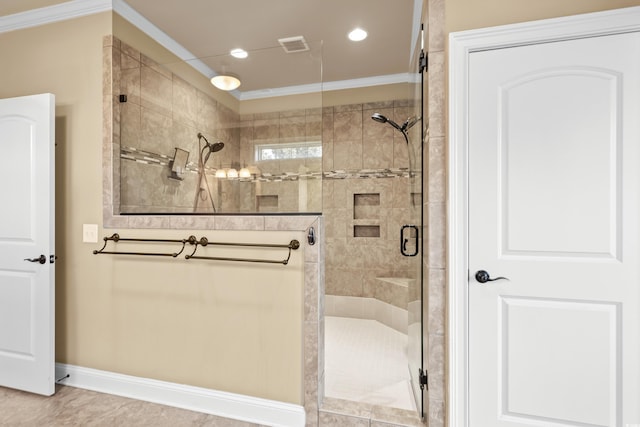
x=411 y=235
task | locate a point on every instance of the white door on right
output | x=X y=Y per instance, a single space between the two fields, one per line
x=554 y=207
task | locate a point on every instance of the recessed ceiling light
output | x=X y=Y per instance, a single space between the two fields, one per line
x=357 y=35
x=239 y=53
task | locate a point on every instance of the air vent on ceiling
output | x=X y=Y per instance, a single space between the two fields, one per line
x=294 y=44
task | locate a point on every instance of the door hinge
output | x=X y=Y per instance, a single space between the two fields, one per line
x=424 y=379
x=423 y=64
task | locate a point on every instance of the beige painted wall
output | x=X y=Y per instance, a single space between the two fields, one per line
x=231 y=327
x=470 y=14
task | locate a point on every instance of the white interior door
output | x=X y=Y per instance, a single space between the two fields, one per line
x=27 y=288
x=554 y=191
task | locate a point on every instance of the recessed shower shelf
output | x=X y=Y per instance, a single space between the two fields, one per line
x=366 y=231
x=202 y=242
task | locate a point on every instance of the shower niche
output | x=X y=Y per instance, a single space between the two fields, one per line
x=366 y=215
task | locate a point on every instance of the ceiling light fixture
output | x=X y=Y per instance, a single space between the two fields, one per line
x=239 y=53
x=226 y=82
x=357 y=35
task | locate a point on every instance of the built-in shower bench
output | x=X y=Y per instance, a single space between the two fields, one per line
x=387 y=304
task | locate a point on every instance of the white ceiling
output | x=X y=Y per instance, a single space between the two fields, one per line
x=204 y=31
x=209 y=29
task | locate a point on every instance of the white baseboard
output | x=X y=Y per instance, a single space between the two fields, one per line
x=223 y=404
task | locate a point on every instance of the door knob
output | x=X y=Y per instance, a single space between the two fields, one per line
x=41 y=259
x=483 y=277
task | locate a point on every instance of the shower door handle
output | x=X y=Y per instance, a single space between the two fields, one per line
x=404 y=240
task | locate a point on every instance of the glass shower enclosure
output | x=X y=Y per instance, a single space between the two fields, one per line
x=412 y=234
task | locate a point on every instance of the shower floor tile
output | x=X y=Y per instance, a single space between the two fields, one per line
x=366 y=361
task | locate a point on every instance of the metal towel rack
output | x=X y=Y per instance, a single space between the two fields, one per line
x=115 y=237
x=203 y=241
x=293 y=245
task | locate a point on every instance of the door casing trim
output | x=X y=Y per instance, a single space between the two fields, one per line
x=461 y=45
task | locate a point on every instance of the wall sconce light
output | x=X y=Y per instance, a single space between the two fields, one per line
x=178 y=164
x=225 y=81
x=229 y=173
x=244 y=173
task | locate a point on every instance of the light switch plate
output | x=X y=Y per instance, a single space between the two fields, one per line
x=90 y=233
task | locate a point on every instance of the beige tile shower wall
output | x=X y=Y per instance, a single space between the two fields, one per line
x=292 y=126
x=163 y=112
x=353 y=263
x=357 y=142
x=352 y=142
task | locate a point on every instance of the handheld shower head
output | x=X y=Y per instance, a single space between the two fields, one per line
x=383 y=119
x=379 y=118
x=213 y=148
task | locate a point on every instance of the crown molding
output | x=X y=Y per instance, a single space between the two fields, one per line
x=162 y=38
x=50 y=14
x=326 y=86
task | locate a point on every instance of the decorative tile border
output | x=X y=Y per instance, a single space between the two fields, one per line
x=147 y=157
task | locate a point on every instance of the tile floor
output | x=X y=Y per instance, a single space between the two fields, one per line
x=366 y=361
x=77 y=407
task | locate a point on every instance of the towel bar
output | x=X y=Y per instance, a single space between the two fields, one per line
x=115 y=237
x=203 y=241
x=293 y=245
